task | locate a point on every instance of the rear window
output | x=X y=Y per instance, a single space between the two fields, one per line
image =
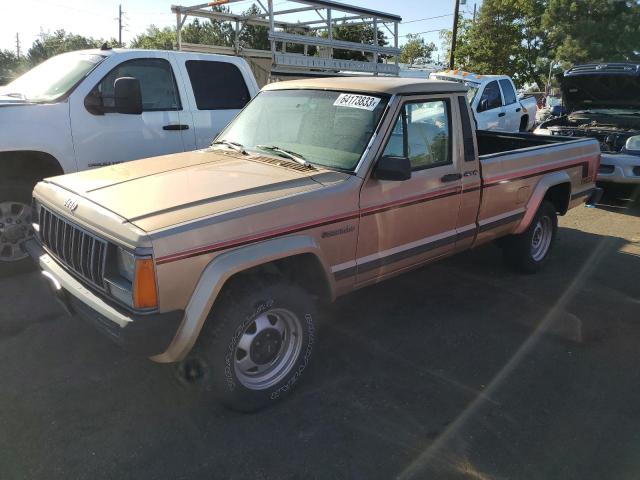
x=217 y=85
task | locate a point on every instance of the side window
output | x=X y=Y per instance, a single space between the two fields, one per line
x=422 y=133
x=217 y=85
x=492 y=97
x=467 y=130
x=157 y=84
x=508 y=92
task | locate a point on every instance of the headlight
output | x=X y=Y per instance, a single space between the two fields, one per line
x=633 y=144
x=136 y=282
x=126 y=264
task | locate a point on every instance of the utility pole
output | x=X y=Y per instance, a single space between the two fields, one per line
x=120 y=25
x=454 y=33
x=474 y=12
x=18 y=44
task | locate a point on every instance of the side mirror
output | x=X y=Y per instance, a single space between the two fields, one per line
x=393 y=168
x=127 y=96
x=93 y=103
x=483 y=105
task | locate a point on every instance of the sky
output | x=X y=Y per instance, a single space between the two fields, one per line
x=98 y=18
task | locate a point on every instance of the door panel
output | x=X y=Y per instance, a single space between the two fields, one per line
x=490 y=110
x=512 y=107
x=218 y=91
x=404 y=223
x=115 y=137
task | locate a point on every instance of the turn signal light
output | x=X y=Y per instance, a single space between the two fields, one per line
x=144 y=288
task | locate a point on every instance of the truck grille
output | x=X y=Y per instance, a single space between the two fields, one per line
x=80 y=251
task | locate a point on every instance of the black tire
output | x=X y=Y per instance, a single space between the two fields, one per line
x=19 y=192
x=527 y=254
x=217 y=352
x=524 y=120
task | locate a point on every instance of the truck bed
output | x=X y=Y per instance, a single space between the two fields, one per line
x=491 y=143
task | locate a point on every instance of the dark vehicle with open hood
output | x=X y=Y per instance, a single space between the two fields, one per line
x=603 y=101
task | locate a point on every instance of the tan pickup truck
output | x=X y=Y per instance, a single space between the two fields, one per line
x=218 y=258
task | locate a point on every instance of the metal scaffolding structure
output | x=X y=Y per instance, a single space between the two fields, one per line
x=316 y=33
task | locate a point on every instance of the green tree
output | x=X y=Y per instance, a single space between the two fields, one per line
x=57 y=43
x=357 y=33
x=209 y=32
x=582 y=31
x=414 y=48
x=254 y=36
x=10 y=66
x=155 y=38
x=505 y=39
x=445 y=44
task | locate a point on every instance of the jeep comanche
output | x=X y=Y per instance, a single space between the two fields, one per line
x=217 y=258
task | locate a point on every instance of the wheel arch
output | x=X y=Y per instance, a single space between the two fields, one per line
x=29 y=165
x=286 y=255
x=555 y=187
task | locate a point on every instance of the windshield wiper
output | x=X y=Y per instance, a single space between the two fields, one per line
x=19 y=95
x=238 y=147
x=296 y=157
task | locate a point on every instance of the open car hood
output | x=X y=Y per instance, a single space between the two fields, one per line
x=612 y=85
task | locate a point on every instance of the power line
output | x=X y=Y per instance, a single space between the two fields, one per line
x=421 y=33
x=427 y=18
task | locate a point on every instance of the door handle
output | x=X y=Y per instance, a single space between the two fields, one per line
x=451 y=177
x=176 y=126
x=518 y=109
x=502 y=114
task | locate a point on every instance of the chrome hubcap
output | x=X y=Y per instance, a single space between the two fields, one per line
x=268 y=349
x=15 y=229
x=541 y=238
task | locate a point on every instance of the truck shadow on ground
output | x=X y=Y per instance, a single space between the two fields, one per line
x=453 y=371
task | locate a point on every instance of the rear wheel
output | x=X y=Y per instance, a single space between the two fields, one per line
x=15 y=227
x=256 y=344
x=528 y=251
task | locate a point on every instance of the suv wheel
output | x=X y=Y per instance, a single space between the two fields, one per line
x=257 y=343
x=528 y=251
x=15 y=227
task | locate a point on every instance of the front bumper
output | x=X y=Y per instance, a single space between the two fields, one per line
x=147 y=335
x=619 y=168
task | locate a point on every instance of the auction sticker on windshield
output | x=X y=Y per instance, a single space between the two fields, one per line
x=356 y=101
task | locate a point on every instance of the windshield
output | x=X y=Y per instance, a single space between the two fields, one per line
x=471 y=86
x=52 y=78
x=325 y=128
x=553 y=101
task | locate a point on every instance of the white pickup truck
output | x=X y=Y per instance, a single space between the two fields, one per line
x=494 y=102
x=93 y=108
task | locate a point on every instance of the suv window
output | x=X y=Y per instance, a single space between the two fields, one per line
x=492 y=95
x=217 y=85
x=508 y=92
x=157 y=84
x=422 y=134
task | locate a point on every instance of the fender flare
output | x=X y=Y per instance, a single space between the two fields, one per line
x=539 y=192
x=215 y=276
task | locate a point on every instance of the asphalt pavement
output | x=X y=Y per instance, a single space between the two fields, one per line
x=462 y=369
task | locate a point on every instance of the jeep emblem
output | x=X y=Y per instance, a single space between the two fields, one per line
x=71 y=204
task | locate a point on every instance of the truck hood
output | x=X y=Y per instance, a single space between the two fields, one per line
x=602 y=86
x=159 y=192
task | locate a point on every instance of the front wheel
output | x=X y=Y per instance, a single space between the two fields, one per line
x=15 y=227
x=529 y=251
x=257 y=343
